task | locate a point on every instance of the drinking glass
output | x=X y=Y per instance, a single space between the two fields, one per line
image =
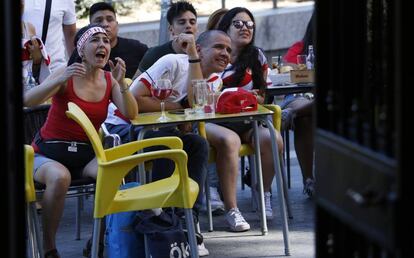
x=200 y=95
x=210 y=106
x=301 y=61
x=162 y=89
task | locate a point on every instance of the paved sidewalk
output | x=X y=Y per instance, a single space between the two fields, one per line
x=221 y=242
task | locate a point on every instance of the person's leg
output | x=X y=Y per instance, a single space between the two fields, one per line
x=161 y=168
x=212 y=175
x=123 y=131
x=91 y=169
x=217 y=205
x=57 y=179
x=196 y=148
x=304 y=145
x=266 y=154
x=304 y=140
x=227 y=144
x=303 y=134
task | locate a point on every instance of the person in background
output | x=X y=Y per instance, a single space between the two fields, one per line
x=217 y=205
x=130 y=50
x=61 y=29
x=297 y=114
x=248 y=69
x=35 y=60
x=215 y=18
x=85 y=83
x=210 y=54
x=182 y=18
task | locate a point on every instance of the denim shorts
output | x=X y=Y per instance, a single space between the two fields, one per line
x=290 y=98
x=39 y=160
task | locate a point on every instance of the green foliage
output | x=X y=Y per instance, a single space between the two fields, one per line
x=122 y=7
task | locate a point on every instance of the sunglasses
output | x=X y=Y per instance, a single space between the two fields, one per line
x=238 y=24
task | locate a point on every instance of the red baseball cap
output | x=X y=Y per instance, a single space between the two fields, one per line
x=236 y=100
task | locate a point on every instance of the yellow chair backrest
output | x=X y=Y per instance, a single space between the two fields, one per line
x=277 y=115
x=74 y=112
x=28 y=179
x=127 y=81
x=115 y=163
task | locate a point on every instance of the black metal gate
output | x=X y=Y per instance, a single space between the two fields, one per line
x=362 y=130
x=11 y=159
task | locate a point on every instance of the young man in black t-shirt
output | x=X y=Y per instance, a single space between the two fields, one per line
x=182 y=18
x=130 y=50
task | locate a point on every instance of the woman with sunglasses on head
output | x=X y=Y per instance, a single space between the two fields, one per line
x=248 y=69
x=85 y=83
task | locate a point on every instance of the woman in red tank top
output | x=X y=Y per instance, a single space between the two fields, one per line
x=85 y=83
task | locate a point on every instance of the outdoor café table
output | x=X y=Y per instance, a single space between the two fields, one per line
x=149 y=122
x=277 y=90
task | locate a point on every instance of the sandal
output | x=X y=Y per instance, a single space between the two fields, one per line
x=52 y=254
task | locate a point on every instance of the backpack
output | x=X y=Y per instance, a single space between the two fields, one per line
x=121 y=239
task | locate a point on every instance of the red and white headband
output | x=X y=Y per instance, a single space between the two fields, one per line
x=86 y=36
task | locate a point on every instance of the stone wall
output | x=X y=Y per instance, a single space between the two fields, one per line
x=277 y=29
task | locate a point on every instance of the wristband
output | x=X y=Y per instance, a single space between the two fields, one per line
x=192 y=61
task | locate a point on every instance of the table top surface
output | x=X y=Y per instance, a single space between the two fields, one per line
x=150 y=118
x=277 y=90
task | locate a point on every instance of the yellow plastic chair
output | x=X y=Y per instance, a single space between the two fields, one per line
x=32 y=220
x=128 y=81
x=178 y=190
x=245 y=150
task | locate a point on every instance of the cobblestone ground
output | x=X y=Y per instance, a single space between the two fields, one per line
x=221 y=242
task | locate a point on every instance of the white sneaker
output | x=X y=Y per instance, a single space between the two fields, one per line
x=217 y=206
x=236 y=221
x=202 y=250
x=268 y=205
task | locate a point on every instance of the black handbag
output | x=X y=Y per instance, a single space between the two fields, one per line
x=165 y=234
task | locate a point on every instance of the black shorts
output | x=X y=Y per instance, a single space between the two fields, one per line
x=72 y=154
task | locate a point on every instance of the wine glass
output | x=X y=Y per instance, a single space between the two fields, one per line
x=162 y=89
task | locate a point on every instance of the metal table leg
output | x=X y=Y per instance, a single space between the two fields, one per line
x=259 y=178
x=280 y=185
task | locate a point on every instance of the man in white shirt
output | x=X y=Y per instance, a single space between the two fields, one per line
x=210 y=55
x=61 y=30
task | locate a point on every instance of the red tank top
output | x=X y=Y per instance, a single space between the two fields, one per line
x=59 y=126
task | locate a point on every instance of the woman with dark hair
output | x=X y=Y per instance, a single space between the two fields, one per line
x=62 y=149
x=248 y=69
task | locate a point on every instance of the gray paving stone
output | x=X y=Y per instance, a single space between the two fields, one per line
x=221 y=242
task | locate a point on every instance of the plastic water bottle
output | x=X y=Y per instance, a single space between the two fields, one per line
x=30 y=81
x=310 y=58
